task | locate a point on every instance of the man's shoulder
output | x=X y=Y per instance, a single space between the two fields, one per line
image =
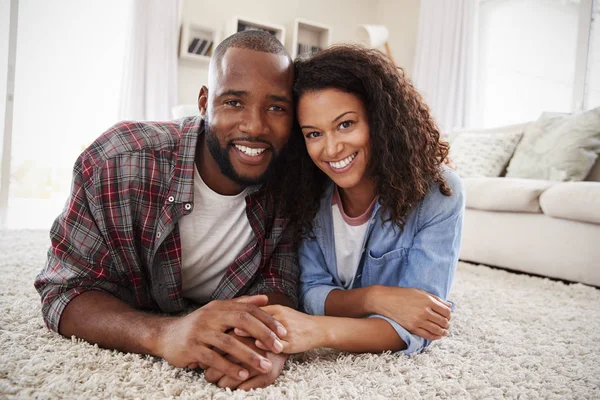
x=128 y=137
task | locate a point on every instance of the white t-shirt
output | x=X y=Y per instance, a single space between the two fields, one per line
x=212 y=237
x=349 y=234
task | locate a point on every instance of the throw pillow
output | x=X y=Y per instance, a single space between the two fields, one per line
x=558 y=148
x=483 y=154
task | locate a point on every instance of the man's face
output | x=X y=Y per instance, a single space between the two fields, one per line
x=248 y=113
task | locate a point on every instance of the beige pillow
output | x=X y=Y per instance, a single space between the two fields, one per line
x=483 y=154
x=558 y=148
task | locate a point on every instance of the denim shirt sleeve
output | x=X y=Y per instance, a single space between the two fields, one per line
x=433 y=256
x=316 y=282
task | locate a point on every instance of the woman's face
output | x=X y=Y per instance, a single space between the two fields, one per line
x=336 y=131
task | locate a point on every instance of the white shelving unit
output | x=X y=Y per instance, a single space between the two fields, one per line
x=197 y=42
x=309 y=37
x=238 y=24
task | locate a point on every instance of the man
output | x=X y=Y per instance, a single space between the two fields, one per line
x=162 y=215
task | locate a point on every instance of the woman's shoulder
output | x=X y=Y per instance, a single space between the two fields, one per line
x=436 y=200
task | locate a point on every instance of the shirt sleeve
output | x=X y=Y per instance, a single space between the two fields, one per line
x=78 y=259
x=433 y=257
x=281 y=273
x=316 y=282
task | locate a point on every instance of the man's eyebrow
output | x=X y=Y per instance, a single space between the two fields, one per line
x=232 y=92
x=283 y=99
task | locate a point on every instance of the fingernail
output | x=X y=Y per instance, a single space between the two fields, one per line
x=265 y=364
x=278 y=345
x=243 y=374
x=281 y=331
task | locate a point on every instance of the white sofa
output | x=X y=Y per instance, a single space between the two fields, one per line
x=539 y=227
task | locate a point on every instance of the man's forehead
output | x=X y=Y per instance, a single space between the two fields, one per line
x=240 y=64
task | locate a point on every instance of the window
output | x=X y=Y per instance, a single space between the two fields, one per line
x=527 y=59
x=592 y=87
x=70 y=57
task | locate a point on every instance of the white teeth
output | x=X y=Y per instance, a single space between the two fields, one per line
x=343 y=163
x=249 y=151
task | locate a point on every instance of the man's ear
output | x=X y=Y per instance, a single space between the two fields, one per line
x=203 y=101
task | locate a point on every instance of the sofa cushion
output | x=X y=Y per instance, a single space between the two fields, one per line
x=578 y=201
x=505 y=194
x=560 y=148
x=483 y=154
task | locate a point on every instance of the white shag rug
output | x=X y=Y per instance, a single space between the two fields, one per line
x=512 y=336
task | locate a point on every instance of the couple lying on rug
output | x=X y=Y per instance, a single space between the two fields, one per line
x=319 y=186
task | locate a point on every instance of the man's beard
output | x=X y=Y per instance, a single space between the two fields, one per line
x=221 y=156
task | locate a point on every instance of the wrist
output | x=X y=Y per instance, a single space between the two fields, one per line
x=326 y=326
x=156 y=335
x=371 y=299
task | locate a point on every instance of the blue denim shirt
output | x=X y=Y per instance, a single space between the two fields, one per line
x=423 y=256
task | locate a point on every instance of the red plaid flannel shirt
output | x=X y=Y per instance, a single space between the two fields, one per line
x=119 y=234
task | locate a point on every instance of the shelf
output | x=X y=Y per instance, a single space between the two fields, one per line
x=309 y=37
x=238 y=24
x=197 y=42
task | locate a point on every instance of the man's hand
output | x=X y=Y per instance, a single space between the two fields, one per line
x=417 y=311
x=256 y=379
x=192 y=340
x=303 y=331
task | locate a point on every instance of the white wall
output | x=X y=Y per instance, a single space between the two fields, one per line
x=343 y=16
x=401 y=17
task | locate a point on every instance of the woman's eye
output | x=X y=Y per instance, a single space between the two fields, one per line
x=312 y=135
x=346 y=124
x=233 y=103
x=276 y=108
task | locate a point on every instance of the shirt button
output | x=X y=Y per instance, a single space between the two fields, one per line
x=158 y=235
x=188 y=206
x=171 y=199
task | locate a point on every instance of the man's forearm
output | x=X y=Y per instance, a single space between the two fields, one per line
x=360 y=335
x=100 y=318
x=353 y=303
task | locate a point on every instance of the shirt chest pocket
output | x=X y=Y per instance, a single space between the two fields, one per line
x=384 y=269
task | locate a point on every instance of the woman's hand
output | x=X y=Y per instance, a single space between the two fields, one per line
x=417 y=311
x=304 y=332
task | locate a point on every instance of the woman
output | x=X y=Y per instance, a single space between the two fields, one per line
x=380 y=210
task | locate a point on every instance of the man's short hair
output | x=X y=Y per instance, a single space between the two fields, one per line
x=253 y=40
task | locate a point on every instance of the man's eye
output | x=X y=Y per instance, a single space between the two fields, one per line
x=233 y=103
x=276 y=108
x=312 y=135
x=346 y=124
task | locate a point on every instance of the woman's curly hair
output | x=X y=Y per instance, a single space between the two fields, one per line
x=406 y=150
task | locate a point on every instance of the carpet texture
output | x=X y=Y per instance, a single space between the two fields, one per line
x=512 y=336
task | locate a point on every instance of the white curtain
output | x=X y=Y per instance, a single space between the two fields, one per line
x=444 y=70
x=149 y=88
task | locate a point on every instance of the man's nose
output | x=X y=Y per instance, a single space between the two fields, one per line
x=253 y=122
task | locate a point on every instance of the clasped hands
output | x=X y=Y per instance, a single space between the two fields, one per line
x=243 y=343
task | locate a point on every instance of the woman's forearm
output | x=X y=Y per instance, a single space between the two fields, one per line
x=353 y=303
x=359 y=335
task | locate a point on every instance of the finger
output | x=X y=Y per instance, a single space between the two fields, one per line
x=240 y=351
x=193 y=366
x=241 y=332
x=259 y=300
x=259 y=381
x=213 y=375
x=261 y=345
x=426 y=334
x=434 y=329
x=445 y=302
x=442 y=309
x=227 y=382
x=438 y=320
x=212 y=359
x=258 y=324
